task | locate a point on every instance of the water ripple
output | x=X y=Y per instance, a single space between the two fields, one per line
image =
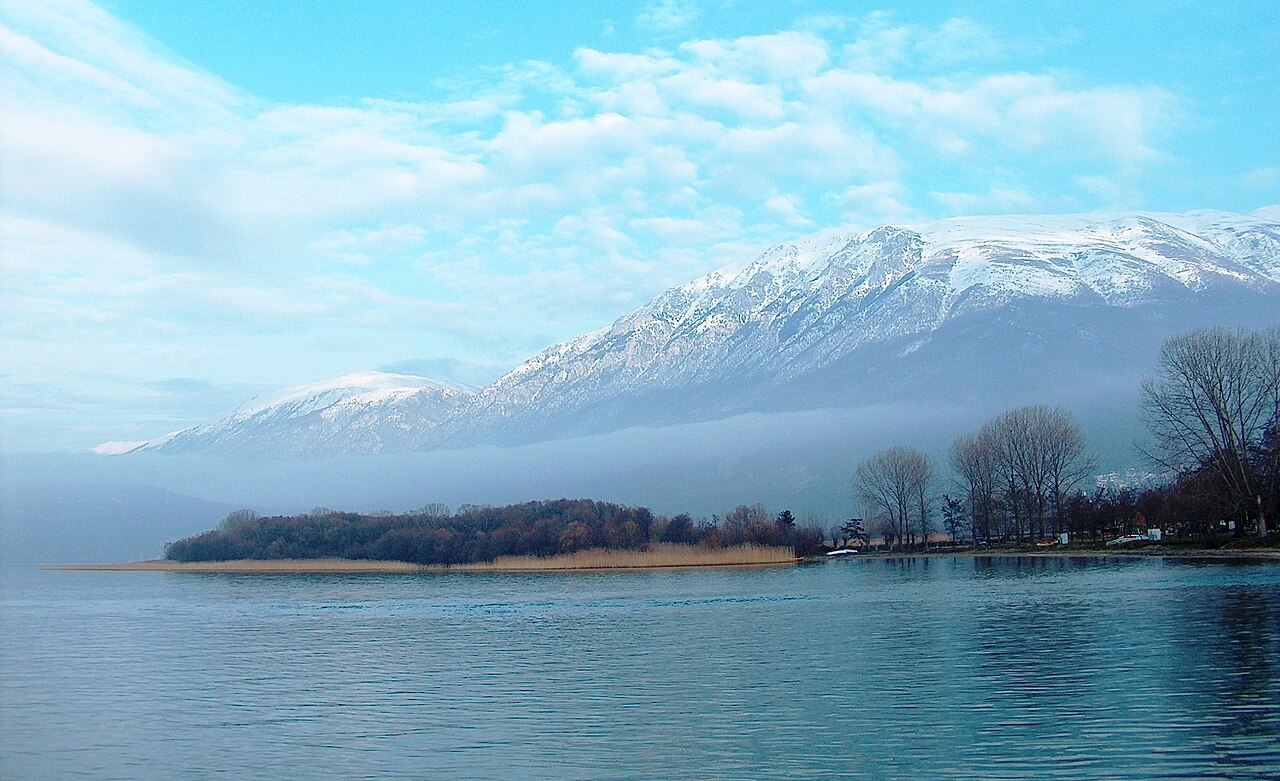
x=902 y=669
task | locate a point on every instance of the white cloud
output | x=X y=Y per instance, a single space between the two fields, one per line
x=1108 y=192
x=1022 y=113
x=78 y=49
x=777 y=58
x=529 y=148
x=677 y=231
x=623 y=66
x=787 y=208
x=701 y=93
x=668 y=16
x=997 y=200
x=1262 y=178
x=884 y=45
x=959 y=40
x=871 y=205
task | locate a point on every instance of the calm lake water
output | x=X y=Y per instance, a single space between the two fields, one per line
x=878 y=669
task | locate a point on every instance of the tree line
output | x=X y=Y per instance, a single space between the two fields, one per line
x=1213 y=411
x=477 y=533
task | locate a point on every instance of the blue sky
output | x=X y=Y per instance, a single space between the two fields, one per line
x=201 y=201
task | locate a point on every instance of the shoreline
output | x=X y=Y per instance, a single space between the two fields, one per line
x=597 y=561
x=664 y=557
x=250 y=566
x=1155 y=552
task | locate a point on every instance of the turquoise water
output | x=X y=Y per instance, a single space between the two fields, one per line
x=876 y=669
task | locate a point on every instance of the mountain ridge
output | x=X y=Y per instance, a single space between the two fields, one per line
x=841 y=319
x=359 y=412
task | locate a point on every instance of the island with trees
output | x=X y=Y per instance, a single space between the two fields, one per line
x=478 y=534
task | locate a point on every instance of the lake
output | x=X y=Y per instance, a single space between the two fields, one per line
x=946 y=668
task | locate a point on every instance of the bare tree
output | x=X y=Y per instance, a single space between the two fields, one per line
x=1210 y=405
x=1026 y=461
x=894 y=486
x=1067 y=461
x=973 y=457
x=1041 y=455
x=838 y=539
x=1021 y=449
x=1268 y=448
x=922 y=492
x=887 y=531
x=237 y=519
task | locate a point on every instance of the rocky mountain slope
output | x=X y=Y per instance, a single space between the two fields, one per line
x=984 y=306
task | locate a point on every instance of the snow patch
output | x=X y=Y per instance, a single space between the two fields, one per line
x=119 y=448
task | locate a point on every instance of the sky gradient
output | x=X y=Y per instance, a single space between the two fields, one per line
x=202 y=201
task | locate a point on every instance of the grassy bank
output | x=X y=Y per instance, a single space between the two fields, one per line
x=657 y=557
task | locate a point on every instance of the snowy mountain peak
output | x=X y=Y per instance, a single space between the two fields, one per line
x=366 y=385
x=365 y=412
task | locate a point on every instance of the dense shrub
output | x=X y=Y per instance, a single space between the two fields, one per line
x=475 y=533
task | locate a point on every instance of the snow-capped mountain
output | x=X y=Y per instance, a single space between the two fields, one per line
x=364 y=412
x=999 y=310
x=974 y=305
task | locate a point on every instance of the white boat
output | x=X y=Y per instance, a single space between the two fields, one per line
x=1128 y=539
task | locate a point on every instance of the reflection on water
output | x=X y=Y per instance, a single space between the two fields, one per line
x=979 y=668
x=1235 y=677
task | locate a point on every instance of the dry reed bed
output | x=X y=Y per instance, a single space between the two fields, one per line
x=656 y=557
x=663 y=556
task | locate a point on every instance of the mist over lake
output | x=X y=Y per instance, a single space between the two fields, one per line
x=66 y=508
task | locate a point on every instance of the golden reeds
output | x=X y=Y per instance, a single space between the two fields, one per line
x=656 y=556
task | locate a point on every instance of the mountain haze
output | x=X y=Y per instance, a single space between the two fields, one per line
x=995 y=311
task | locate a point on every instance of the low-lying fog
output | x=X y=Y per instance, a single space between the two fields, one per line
x=82 y=507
